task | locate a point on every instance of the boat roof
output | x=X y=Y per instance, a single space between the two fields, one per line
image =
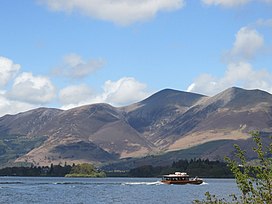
x=177 y=174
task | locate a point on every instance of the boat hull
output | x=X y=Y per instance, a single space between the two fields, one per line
x=195 y=182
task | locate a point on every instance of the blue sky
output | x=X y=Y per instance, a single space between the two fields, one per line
x=67 y=53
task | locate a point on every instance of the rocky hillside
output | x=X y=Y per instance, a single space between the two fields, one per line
x=167 y=123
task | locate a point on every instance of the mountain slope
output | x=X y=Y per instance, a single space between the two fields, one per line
x=167 y=121
x=152 y=114
x=99 y=130
x=27 y=122
x=228 y=115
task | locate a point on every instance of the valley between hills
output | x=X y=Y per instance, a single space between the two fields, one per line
x=165 y=127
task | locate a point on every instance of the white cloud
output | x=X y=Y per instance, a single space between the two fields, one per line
x=27 y=92
x=248 y=43
x=118 y=93
x=204 y=84
x=12 y=107
x=32 y=89
x=226 y=3
x=264 y=22
x=75 y=67
x=7 y=70
x=75 y=95
x=231 y=3
x=122 y=12
x=124 y=91
x=239 y=71
x=237 y=74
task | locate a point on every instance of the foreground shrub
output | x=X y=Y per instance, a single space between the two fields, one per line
x=253 y=181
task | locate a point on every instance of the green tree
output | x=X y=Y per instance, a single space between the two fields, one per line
x=85 y=170
x=254 y=181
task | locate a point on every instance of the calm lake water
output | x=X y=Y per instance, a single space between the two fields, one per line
x=106 y=190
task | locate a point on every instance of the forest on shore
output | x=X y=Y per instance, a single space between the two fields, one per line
x=79 y=170
x=194 y=167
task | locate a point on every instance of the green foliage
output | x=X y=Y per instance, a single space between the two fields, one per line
x=211 y=199
x=14 y=146
x=80 y=170
x=194 y=167
x=58 y=170
x=254 y=182
x=145 y=171
x=53 y=170
x=85 y=170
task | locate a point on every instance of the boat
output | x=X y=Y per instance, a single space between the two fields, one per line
x=180 y=178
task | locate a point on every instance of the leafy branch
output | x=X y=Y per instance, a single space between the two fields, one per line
x=253 y=181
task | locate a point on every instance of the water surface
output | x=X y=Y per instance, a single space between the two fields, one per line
x=106 y=190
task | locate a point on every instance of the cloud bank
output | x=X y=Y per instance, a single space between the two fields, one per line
x=118 y=93
x=247 y=45
x=32 y=89
x=74 y=95
x=21 y=91
x=8 y=70
x=123 y=12
x=8 y=106
x=124 y=91
x=237 y=74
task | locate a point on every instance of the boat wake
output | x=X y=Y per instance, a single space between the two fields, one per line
x=143 y=183
x=204 y=183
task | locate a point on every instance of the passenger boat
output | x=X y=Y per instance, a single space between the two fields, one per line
x=180 y=178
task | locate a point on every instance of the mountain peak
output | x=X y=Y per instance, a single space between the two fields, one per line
x=233 y=91
x=96 y=106
x=238 y=97
x=167 y=120
x=171 y=95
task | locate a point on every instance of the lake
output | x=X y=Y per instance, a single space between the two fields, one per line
x=106 y=190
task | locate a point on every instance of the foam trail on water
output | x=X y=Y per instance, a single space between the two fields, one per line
x=204 y=183
x=143 y=183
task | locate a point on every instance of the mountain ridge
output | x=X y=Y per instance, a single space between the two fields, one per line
x=167 y=121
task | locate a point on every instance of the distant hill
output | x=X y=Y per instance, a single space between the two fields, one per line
x=167 y=126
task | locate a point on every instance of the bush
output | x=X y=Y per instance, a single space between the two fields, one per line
x=254 y=182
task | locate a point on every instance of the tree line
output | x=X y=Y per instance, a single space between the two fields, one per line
x=194 y=167
x=79 y=170
x=52 y=170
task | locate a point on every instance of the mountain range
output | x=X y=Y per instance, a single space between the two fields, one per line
x=166 y=126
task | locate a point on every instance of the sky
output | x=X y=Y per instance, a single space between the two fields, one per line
x=68 y=53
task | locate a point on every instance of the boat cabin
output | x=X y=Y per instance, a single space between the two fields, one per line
x=177 y=176
x=180 y=178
